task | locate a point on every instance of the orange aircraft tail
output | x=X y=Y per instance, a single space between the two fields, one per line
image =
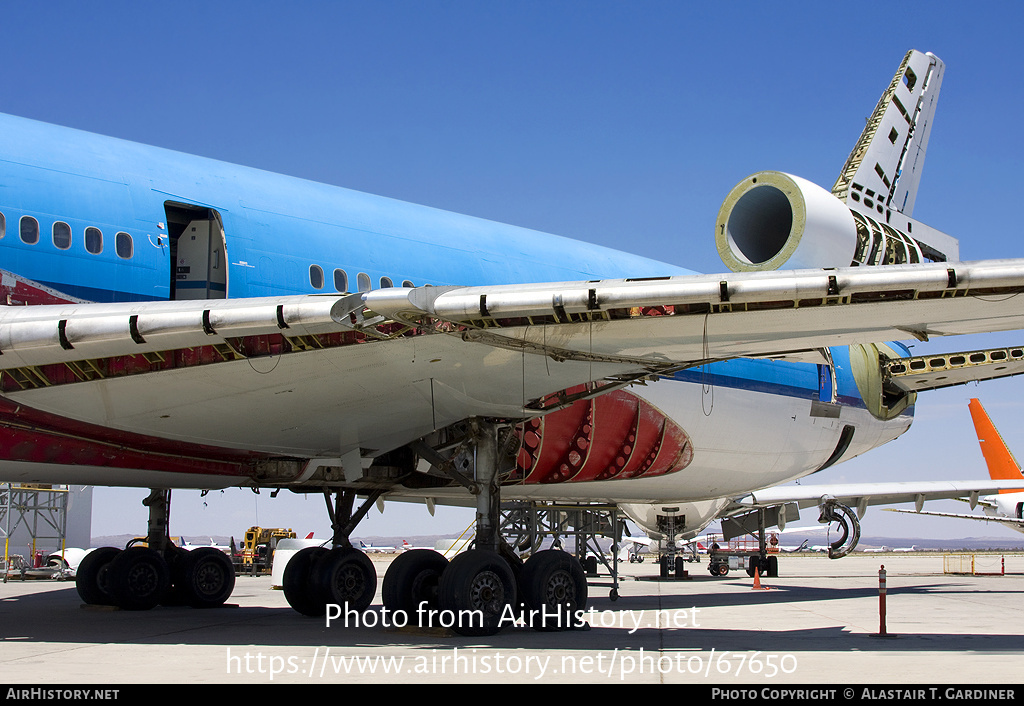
x=1001 y=463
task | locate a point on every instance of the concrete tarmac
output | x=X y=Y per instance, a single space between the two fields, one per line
x=815 y=625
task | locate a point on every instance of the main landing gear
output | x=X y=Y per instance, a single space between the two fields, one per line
x=142 y=577
x=342 y=575
x=477 y=593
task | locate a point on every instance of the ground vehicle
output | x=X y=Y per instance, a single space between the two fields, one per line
x=256 y=555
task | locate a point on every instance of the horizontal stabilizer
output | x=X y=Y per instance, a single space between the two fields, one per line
x=933 y=372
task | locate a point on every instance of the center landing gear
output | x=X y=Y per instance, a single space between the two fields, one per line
x=482 y=590
x=343 y=575
x=142 y=577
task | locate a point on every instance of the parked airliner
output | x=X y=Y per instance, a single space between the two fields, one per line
x=1005 y=507
x=196 y=324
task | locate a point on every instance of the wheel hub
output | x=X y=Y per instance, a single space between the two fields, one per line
x=487 y=592
x=560 y=588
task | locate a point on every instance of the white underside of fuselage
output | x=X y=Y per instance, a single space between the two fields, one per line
x=742 y=440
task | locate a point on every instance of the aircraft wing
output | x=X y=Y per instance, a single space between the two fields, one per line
x=685 y=320
x=391 y=365
x=861 y=495
x=774 y=505
x=645 y=540
x=1012 y=521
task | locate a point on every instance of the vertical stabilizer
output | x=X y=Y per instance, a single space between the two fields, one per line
x=884 y=170
x=1001 y=463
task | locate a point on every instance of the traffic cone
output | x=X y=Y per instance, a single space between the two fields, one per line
x=757 y=582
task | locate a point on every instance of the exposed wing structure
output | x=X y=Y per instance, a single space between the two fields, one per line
x=687 y=320
x=394 y=364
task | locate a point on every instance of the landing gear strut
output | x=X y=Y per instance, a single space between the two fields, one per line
x=486 y=588
x=343 y=575
x=834 y=511
x=141 y=577
x=672 y=564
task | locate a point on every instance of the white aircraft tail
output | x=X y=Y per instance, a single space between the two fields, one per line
x=884 y=170
x=772 y=221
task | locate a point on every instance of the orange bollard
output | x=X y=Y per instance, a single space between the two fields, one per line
x=881 y=600
x=881 y=605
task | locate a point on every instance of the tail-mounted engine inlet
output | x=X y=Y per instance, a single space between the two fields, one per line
x=772 y=220
x=834 y=511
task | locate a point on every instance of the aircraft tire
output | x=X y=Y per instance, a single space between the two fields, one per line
x=344 y=576
x=412 y=579
x=298 y=588
x=138 y=578
x=477 y=580
x=91 y=577
x=206 y=577
x=554 y=583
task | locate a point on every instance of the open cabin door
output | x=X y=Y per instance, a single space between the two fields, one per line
x=198 y=253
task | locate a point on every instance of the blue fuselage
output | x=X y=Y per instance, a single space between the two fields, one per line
x=95 y=217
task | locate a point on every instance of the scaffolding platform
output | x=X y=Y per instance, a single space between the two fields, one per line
x=42 y=511
x=525 y=525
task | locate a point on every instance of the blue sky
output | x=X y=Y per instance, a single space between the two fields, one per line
x=619 y=123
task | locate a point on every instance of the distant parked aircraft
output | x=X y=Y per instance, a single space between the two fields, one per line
x=1006 y=506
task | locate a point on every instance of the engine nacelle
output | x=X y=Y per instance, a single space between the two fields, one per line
x=1010 y=505
x=772 y=220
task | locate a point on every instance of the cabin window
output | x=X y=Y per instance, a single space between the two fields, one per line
x=316 y=276
x=386 y=282
x=29 y=227
x=3 y=225
x=61 y=235
x=407 y=283
x=363 y=282
x=340 y=280
x=94 y=240
x=123 y=245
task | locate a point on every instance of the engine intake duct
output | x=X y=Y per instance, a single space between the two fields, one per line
x=772 y=220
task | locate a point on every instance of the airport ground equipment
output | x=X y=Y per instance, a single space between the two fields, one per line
x=745 y=552
x=525 y=526
x=43 y=511
x=256 y=555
